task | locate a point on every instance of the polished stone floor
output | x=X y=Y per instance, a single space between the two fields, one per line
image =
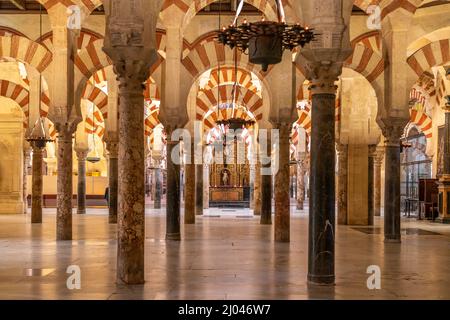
x=226 y=255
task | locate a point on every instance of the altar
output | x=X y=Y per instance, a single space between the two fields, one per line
x=230 y=182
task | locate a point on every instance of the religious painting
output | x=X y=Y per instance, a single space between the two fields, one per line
x=440 y=152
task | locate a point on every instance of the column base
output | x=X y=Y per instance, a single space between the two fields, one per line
x=112 y=219
x=321 y=280
x=173 y=236
x=266 y=221
x=81 y=211
x=392 y=240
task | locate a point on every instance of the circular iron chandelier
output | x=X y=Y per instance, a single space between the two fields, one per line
x=265 y=41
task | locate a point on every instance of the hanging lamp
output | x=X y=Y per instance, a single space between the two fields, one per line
x=265 y=41
x=38 y=136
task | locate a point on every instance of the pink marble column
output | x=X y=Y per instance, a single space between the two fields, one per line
x=81 y=187
x=282 y=190
x=64 y=183
x=37 y=187
x=131 y=185
x=190 y=190
x=26 y=162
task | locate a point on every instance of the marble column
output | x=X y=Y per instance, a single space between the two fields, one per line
x=301 y=182
x=206 y=186
x=392 y=133
x=342 y=152
x=282 y=185
x=371 y=184
x=377 y=183
x=190 y=198
x=26 y=162
x=322 y=183
x=199 y=189
x=37 y=184
x=64 y=184
x=266 y=188
x=157 y=185
x=173 y=192
x=112 y=146
x=257 y=190
x=131 y=185
x=81 y=188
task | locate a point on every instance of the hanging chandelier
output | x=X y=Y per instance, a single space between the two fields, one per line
x=38 y=136
x=265 y=41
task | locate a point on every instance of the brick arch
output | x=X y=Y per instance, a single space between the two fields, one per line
x=86 y=37
x=210 y=119
x=388 y=6
x=423 y=122
x=433 y=54
x=191 y=8
x=86 y=6
x=25 y=50
x=97 y=97
x=18 y=94
x=95 y=123
x=370 y=40
x=208 y=99
x=152 y=120
x=228 y=76
x=208 y=53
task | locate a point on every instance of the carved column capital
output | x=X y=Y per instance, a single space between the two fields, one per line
x=323 y=76
x=112 y=146
x=372 y=150
x=393 y=130
x=82 y=154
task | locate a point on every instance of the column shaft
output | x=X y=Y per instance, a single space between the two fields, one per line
x=282 y=187
x=266 y=189
x=199 y=190
x=157 y=187
x=64 y=186
x=392 y=194
x=113 y=189
x=342 y=184
x=300 y=184
x=190 y=191
x=377 y=186
x=37 y=187
x=206 y=187
x=26 y=161
x=370 y=191
x=322 y=185
x=131 y=187
x=173 y=194
x=81 y=188
x=257 y=190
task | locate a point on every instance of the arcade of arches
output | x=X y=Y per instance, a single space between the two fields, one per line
x=340 y=160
